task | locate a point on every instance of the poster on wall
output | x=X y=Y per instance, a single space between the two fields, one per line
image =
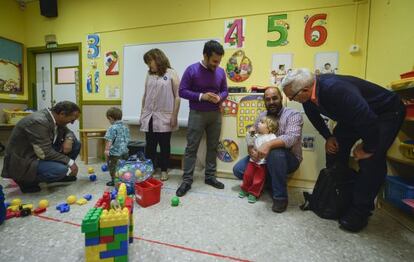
x=92 y=82
x=227 y=151
x=112 y=92
x=111 y=63
x=234 y=31
x=11 y=67
x=249 y=109
x=239 y=67
x=315 y=30
x=281 y=65
x=93 y=41
x=308 y=142
x=277 y=28
x=326 y=63
x=229 y=107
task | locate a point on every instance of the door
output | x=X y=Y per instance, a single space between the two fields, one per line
x=56 y=80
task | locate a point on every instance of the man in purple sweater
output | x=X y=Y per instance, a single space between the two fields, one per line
x=204 y=85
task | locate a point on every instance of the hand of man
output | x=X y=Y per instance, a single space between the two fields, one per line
x=253 y=153
x=67 y=146
x=74 y=170
x=263 y=150
x=359 y=152
x=210 y=97
x=173 y=121
x=331 y=145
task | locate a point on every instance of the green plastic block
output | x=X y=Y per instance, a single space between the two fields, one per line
x=92 y=234
x=113 y=245
x=107 y=231
x=90 y=222
x=121 y=237
x=121 y=259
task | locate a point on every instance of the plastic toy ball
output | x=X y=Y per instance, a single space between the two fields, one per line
x=104 y=167
x=92 y=177
x=175 y=201
x=16 y=202
x=43 y=203
x=71 y=199
x=91 y=170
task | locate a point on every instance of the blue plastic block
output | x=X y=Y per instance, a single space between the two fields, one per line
x=92 y=177
x=104 y=167
x=92 y=241
x=120 y=230
x=114 y=193
x=6 y=204
x=64 y=207
x=87 y=197
x=123 y=251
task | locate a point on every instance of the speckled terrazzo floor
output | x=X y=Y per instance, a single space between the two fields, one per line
x=209 y=225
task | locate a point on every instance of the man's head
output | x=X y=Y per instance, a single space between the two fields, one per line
x=273 y=100
x=213 y=52
x=65 y=112
x=298 y=84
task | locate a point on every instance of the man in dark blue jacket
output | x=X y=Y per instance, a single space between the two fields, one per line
x=362 y=110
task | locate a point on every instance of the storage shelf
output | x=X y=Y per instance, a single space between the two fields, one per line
x=401 y=159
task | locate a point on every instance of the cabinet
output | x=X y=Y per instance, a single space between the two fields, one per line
x=398 y=163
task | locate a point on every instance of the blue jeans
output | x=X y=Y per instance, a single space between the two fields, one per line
x=280 y=163
x=50 y=171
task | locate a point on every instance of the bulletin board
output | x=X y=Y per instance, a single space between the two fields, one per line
x=11 y=67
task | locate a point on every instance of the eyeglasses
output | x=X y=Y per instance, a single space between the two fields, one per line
x=295 y=94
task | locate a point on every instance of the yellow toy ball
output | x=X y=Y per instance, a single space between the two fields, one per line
x=71 y=199
x=16 y=202
x=43 y=203
x=91 y=170
x=138 y=173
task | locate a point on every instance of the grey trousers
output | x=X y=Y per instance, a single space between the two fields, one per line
x=198 y=122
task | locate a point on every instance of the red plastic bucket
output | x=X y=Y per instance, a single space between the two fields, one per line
x=148 y=193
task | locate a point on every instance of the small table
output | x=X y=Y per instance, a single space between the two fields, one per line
x=85 y=134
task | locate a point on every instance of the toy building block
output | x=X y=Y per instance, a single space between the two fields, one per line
x=6 y=204
x=91 y=221
x=91 y=170
x=63 y=208
x=92 y=177
x=88 y=197
x=39 y=210
x=16 y=202
x=81 y=201
x=29 y=206
x=104 y=167
x=71 y=199
x=43 y=203
x=25 y=212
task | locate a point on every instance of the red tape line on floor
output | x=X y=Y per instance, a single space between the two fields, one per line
x=156 y=242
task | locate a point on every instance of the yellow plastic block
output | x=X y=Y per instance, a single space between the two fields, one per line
x=81 y=201
x=13 y=208
x=16 y=202
x=122 y=191
x=92 y=252
x=113 y=218
x=30 y=206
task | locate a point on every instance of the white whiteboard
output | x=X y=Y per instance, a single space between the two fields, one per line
x=181 y=55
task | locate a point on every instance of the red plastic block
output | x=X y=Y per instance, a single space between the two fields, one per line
x=107 y=239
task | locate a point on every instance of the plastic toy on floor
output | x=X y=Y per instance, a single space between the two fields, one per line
x=91 y=173
x=109 y=227
x=2 y=206
x=104 y=167
x=137 y=169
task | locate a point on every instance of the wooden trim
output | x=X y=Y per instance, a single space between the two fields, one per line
x=14 y=101
x=101 y=102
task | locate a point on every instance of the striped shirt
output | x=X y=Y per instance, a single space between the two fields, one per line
x=290 y=129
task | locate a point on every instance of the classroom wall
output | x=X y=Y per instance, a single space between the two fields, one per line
x=391 y=38
x=13 y=28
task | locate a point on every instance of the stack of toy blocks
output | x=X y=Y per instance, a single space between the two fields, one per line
x=108 y=228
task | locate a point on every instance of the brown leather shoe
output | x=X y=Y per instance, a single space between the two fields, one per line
x=279 y=205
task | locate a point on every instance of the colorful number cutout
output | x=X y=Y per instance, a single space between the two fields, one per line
x=273 y=25
x=235 y=34
x=93 y=46
x=315 y=35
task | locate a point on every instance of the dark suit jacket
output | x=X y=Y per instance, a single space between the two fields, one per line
x=354 y=103
x=31 y=140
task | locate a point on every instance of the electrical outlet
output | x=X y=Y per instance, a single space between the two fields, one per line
x=354 y=49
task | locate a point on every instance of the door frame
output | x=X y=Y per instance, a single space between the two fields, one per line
x=31 y=72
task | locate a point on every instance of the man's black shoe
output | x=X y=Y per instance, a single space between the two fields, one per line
x=214 y=183
x=64 y=179
x=182 y=190
x=353 y=221
x=29 y=187
x=279 y=205
x=110 y=183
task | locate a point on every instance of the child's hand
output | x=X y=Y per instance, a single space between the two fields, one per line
x=106 y=154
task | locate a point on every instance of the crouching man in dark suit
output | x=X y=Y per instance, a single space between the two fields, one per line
x=42 y=149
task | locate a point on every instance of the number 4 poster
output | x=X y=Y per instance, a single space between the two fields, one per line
x=234 y=31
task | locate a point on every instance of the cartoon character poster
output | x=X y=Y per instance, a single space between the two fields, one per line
x=326 y=63
x=228 y=150
x=281 y=64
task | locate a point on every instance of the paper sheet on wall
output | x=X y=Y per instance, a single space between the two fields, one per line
x=112 y=92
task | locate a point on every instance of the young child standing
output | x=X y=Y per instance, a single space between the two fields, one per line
x=117 y=138
x=255 y=173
